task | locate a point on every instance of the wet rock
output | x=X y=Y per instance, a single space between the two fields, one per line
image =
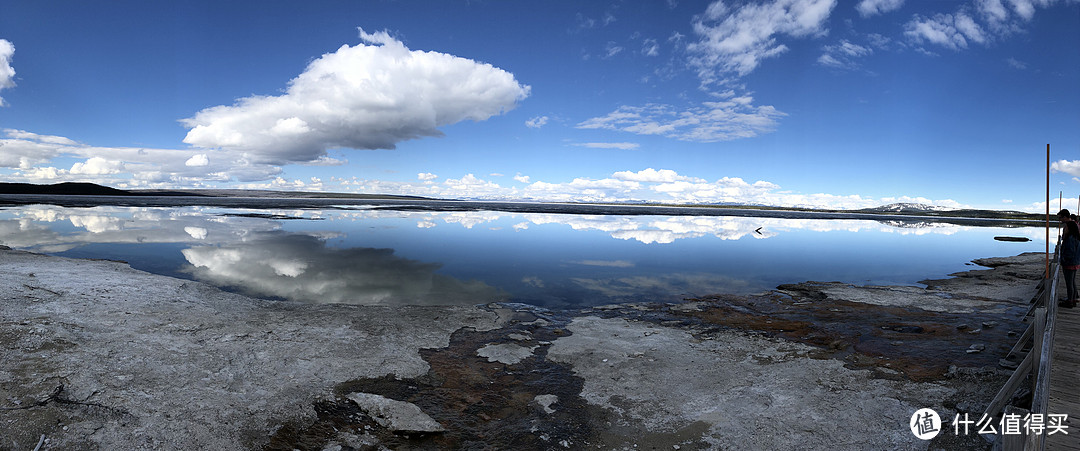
x=688 y=307
x=505 y=353
x=989 y=324
x=733 y=390
x=891 y=296
x=976 y=348
x=398 y=416
x=546 y=401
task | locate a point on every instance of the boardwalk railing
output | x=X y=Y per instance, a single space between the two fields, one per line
x=1036 y=363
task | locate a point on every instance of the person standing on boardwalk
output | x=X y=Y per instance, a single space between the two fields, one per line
x=1069 y=256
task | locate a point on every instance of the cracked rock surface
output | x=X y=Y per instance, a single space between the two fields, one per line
x=98 y=355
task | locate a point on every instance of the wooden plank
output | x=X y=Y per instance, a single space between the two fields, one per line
x=1064 y=365
x=1022 y=441
x=1064 y=399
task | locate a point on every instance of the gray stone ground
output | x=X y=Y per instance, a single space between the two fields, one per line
x=96 y=355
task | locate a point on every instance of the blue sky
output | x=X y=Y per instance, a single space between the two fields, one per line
x=814 y=103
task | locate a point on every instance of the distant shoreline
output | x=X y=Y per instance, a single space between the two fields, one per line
x=88 y=195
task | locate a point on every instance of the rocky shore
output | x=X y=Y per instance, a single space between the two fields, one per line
x=96 y=355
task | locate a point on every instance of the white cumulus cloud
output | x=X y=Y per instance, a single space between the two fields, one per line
x=537 y=122
x=198 y=160
x=651 y=175
x=369 y=96
x=1071 y=167
x=869 y=8
x=97 y=166
x=7 y=73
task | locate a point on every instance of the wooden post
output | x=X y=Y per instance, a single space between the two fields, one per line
x=1040 y=329
x=1014 y=442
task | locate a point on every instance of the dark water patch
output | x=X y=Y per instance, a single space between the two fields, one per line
x=529 y=404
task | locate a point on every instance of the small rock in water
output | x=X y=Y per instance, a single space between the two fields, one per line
x=976 y=348
x=962 y=327
x=546 y=401
x=976 y=331
x=398 y=416
x=506 y=353
x=989 y=324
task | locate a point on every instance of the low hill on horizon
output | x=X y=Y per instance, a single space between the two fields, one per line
x=65 y=188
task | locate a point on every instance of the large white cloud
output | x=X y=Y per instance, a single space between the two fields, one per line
x=7 y=73
x=733 y=42
x=369 y=96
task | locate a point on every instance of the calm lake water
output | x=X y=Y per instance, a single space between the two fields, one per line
x=358 y=254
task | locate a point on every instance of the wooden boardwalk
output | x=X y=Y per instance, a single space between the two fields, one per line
x=1065 y=378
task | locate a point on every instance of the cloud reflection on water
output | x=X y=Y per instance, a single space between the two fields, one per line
x=40 y=229
x=302 y=268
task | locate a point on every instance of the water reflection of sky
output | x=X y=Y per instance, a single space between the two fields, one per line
x=394 y=257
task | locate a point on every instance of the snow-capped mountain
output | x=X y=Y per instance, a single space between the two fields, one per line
x=908 y=208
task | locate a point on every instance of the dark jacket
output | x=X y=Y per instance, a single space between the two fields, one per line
x=1070 y=245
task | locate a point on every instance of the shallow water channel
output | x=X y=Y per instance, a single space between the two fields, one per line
x=366 y=255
